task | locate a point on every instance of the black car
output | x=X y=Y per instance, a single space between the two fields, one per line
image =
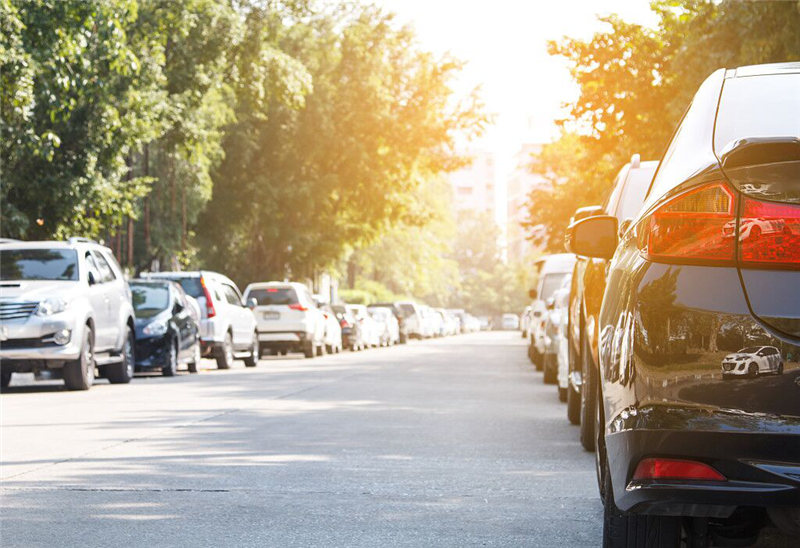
x=680 y=451
x=166 y=327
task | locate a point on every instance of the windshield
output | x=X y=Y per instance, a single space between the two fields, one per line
x=273 y=296
x=38 y=264
x=750 y=350
x=551 y=283
x=407 y=309
x=149 y=299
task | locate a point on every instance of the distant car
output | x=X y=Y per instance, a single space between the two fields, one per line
x=333 y=330
x=64 y=307
x=352 y=337
x=412 y=319
x=400 y=315
x=227 y=323
x=525 y=322
x=369 y=329
x=167 y=334
x=485 y=323
x=752 y=362
x=431 y=322
x=555 y=333
x=509 y=322
x=471 y=323
x=551 y=270
x=385 y=316
x=288 y=318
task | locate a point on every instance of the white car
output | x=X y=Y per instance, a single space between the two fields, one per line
x=551 y=271
x=387 y=325
x=333 y=330
x=288 y=318
x=556 y=359
x=413 y=319
x=64 y=306
x=509 y=322
x=227 y=323
x=431 y=322
x=752 y=362
x=369 y=328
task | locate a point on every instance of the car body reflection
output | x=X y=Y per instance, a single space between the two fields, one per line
x=752 y=362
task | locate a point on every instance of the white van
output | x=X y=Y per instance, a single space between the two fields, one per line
x=550 y=273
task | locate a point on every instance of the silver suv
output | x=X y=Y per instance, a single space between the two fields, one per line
x=227 y=323
x=64 y=307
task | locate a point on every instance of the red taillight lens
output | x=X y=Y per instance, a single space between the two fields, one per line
x=344 y=323
x=675 y=469
x=298 y=306
x=210 y=312
x=769 y=234
x=697 y=225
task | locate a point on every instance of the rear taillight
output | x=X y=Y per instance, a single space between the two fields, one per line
x=344 y=323
x=769 y=234
x=698 y=225
x=298 y=306
x=210 y=312
x=674 y=469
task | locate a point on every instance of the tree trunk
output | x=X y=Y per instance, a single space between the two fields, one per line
x=146 y=169
x=130 y=242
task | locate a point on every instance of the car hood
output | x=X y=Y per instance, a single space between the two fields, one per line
x=38 y=290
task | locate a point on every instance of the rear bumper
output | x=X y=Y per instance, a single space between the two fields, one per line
x=761 y=464
x=282 y=337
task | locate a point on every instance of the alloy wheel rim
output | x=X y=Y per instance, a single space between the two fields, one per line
x=129 y=357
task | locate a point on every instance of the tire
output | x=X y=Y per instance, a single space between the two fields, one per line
x=573 y=394
x=562 y=394
x=330 y=349
x=780 y=369
x=79 y=374
x=626 y=530
x=171 y=367
x=225 y=354
x=255 y=353
x=588 y=398
x=194 y=365
x=122 y=371
x=752 y=371
x=5 y=378
x=550 y=367
x=308 y=349
x=320 y=350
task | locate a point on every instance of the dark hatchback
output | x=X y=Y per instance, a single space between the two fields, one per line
x=167 y=333
x=680 y=451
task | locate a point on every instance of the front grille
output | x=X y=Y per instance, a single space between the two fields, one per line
x=15 y=344
x=16 y=311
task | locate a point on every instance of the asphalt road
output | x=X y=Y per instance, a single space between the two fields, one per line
x=453 y=442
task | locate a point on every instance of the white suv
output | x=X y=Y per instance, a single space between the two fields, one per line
x=227 y=322
x=64 y=307
x=288 y=318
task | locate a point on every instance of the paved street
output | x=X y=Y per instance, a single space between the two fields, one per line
x=453 y=442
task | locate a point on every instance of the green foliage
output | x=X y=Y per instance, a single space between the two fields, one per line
x=636 y=82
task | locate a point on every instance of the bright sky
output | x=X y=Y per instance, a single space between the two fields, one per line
x=504 y=43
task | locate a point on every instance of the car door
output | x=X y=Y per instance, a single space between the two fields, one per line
x=115 y=291
x=183 y=322
x=98 y=300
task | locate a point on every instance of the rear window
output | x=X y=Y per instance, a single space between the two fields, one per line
x=38 y=264
x=191 y=286
x=274 y=296
x=407 y=310
x=758 y=106
x=148 y=300
x=551 y=283
x=634 y=192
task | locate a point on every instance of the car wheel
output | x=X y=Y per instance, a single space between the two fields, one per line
x=284 y=352
x=780 y=368
x=252 y=358
x=171 y=367
x=320 y=350
x=308 y=349
x=550 y=369
x=5 y=378
x=122 y=371
x=752 y=370
x=79 y=373
x=562 y=394
x=588 y=398
x=194 y=365
x=225 y=354
x=330 y=349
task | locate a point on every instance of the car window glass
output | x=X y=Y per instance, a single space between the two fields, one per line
x=230 y=295
x=91 y=266
x=278 y=296
x=634 y=191
x=38 y=264
x=106 y=273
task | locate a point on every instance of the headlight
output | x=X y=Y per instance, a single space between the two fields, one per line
x=50 y=306
x=155 y=328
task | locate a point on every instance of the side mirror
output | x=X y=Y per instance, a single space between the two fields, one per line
x=91 y=278
x=550 y=303
x=252 y=303
x=593 y=237
x=532 y=293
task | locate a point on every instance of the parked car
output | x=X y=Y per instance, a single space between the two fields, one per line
x=288 y=318
x=412 y=319
x=370 y=330
x=525 y=322
x=333 y=330
x=167 y=333
x=561 y=299
x=352 y=336
x=400 y=316
x=679 y=451
x=509 y=322
x=65 y=308
x=752 y=362
x=471 y=323
x=554 y=331
x=589 y=282
x=431 y=322
x=227 y=323
x=449 y=323
x=550 y=272
x=388 y=327
x=485 y=323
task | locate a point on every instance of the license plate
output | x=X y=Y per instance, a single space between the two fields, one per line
x=271 y=315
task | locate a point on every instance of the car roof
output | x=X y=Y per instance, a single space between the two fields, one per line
x=559 y=262
x=293 y=285
x=8 y=243
x=763 y=70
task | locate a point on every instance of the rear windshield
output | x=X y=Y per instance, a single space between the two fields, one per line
x=758 y=106
x=149 y=299
x=551 y=283
x=407 y=310
x=191 y=285
x=38 y=264
x=274 y=296
x=634 y=192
